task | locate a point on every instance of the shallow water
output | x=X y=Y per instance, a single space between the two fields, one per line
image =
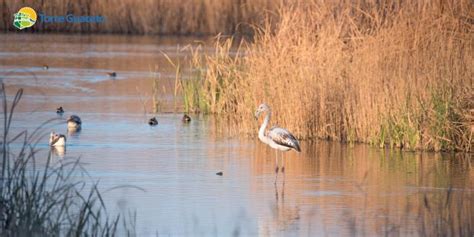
x=329 y=189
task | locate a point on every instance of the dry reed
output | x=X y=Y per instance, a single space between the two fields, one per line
x=389 y=74
x=146 y=17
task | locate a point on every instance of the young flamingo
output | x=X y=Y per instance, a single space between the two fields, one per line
x=277 y=138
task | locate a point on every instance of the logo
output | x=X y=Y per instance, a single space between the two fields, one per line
x=25 y=18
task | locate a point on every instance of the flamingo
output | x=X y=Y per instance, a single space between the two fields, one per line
x=277 y=138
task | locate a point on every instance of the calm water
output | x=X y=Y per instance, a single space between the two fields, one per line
x=329 y=189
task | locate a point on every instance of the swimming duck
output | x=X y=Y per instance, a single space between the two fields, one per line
x=56 y=139
x=186 y=118
x=60 y=110
x=45 y=67
x=153 y=121
x=74 y=122
x=112 y=74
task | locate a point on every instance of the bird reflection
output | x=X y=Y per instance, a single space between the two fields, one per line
x=284 y=214
x=278 y=193
x=73 y=133
x=58 y=151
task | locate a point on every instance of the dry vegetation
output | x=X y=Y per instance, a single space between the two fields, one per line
x=382 y=73
x=146 y=17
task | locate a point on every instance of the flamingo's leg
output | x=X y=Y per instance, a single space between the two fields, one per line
x=276 y=169
x=283 y=161
x=276 y=161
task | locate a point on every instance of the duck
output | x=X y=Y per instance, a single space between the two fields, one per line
x=57 y=140
x=186 y=118
x=45 y=67
x=74 y=123
x=112 y=74
x=153 y=121
x=60 y=110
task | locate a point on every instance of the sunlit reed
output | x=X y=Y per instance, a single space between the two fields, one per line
x=397 y=75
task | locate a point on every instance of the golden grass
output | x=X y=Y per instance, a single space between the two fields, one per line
x=148 y=16
x=386 y=74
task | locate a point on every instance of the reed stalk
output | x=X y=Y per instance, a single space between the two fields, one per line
x=390 y=74
x=45 y=200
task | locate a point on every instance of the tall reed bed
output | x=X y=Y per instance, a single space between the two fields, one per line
x=45 y=200
x=386 y=73
x=146 y=17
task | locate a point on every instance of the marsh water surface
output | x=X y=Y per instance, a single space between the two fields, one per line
x=329 y=189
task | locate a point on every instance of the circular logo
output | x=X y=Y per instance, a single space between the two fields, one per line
x=24 y=18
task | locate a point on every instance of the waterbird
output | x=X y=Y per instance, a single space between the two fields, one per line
x=60 y=110
x=56 y=139
x=153 y=121
x=74 y=123
x=45 y=67
x=112 y=74
x=277 y=138
x=220 y=173
x=186 y=118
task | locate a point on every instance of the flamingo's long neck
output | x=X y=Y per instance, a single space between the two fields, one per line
x=261 y=131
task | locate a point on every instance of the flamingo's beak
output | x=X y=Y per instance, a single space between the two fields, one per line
x=257 y=113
